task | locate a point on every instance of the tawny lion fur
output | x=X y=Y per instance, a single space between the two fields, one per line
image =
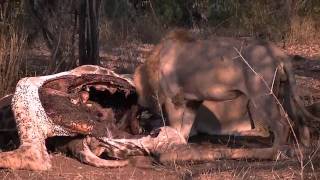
x=182 y=72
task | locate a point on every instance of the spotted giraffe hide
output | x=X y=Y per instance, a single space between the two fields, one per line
x=91 y=105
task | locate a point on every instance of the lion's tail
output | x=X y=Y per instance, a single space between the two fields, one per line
x=298 y=109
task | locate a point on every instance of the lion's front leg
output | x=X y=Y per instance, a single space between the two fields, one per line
x=174 y=114
x=181 y=116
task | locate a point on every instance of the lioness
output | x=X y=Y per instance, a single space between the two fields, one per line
x=182 y=72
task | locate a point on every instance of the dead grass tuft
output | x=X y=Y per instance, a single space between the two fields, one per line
x=12 y=48
x=303 y=30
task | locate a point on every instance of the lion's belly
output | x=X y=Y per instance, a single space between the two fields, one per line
x=223 y=118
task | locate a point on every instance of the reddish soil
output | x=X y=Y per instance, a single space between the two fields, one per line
x=68 y=168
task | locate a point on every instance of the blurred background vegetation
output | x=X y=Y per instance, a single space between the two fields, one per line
x=73 y=31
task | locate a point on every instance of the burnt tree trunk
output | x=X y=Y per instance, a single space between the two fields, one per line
x=89 y=32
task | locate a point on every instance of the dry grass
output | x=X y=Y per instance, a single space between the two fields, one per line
x=303 y=30
x=119 y=32
x=12 y=48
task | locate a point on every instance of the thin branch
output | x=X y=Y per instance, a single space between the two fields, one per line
x=312 y=156
x=277 y=101
x=154 y=13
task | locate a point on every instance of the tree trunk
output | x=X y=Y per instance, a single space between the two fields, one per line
x=82 y=33
x=89 y=32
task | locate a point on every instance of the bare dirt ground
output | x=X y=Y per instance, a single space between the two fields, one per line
x=68 y=168
x=307 y=66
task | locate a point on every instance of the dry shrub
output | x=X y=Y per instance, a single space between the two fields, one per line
x=122 y=21
x=105 y=31
x=12 y=47
x=114 y=33
x=148 y=30
x=303 y=30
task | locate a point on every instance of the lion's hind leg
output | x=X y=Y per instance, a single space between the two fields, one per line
x=267 y=110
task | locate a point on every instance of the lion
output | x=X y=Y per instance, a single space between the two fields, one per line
x=183 y=72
